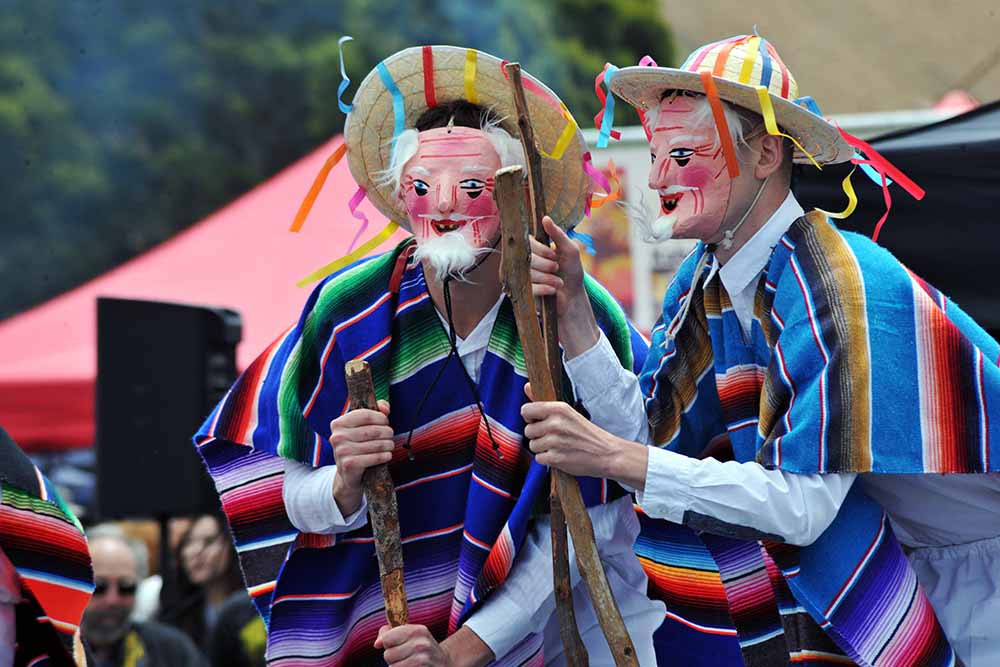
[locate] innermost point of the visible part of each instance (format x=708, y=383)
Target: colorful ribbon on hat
x=719, y=114
x=884, y=169
x=605, y=118
x=569, y=131
x=306, y=206
x=586, y=239
x=344, y=81
x=852, y=199
x=352, y=205
x=398, y=107
x=611, y=186
x=767, y=111
x=471, y=59
x=645, y=61
x=351, y=258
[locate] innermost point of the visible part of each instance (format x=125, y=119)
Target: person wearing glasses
x=120, y=563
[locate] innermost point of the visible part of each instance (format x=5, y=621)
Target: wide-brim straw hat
x=739, y=67
x=403, y=86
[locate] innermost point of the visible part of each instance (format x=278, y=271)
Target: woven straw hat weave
x=739, y=65
x=394, y=95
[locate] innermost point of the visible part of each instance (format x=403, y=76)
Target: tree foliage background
x=124, y=121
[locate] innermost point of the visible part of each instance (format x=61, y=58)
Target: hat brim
x=642, y=87
x=370, y=125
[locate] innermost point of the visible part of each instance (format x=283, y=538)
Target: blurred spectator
x=147, y=598
x=239, y=637
x=116, y=641
x=205, y=576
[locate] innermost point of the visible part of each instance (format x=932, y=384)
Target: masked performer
x=429, y=128
x=839, y=383
x=45, y=574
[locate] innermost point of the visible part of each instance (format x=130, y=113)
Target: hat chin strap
x=727, y=236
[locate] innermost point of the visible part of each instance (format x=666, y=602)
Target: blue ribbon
x=398, y=109
x=809, y=104
x=345, y=108
x=609, y=109
x=871, y=172
x=586, y=239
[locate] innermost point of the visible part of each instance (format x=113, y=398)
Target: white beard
x=451, y=254
x=660, y=229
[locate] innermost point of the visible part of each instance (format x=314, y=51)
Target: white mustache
x=451, y=217
x=677, y=189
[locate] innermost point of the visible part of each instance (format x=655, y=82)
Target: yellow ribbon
x=852, y=199
x=751, y=47
x=349, y=259
x=565, y=138
x=767, y=111
x=470, y=76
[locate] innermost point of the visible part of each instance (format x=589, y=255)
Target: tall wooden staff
x=522, y=206
x=380, y=493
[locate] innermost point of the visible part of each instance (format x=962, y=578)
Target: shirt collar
x=747, y=263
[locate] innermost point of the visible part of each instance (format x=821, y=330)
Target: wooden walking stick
x=380, y=493
x=522, y=207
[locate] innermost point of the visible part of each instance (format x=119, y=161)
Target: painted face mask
x=447, y=189
x=688, y=172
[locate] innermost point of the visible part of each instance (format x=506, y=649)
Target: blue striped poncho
x=464, y=509
x=854, y=364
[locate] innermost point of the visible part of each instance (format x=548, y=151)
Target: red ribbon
x=602, y=96
x=428, y=53
x=884, y=168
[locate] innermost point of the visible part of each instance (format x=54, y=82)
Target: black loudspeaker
x=161, y=368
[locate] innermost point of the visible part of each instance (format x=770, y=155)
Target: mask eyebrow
x=685, y=138
x=417, y=169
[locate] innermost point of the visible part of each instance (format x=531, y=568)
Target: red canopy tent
x=241, y=257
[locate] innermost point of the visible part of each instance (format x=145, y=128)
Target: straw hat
x=739, y=66
x=400, y=88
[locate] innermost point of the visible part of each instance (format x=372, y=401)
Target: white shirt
x=950, y=522
x=742, y=272
x=527, y=595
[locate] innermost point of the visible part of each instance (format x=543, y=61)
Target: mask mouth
x=668, y=203
x=444, y=226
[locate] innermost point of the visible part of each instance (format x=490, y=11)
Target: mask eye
x=652, y=158
x=472, y=187
x=681, y=155
x=420, y=187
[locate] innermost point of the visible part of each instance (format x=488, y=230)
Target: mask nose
x=658, y=173
x=446, y=197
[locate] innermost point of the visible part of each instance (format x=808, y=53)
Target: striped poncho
x=853, y=364
x=464, y=505
x=45, y=543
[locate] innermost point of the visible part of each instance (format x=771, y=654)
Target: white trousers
x=963, y=585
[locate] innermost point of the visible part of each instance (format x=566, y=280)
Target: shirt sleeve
x=523, y=603
x=308, y=496
x=741, y=500
x=609, y=392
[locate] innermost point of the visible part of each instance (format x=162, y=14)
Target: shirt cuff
x=492, y=624
x=666, y=494
x=589, y=372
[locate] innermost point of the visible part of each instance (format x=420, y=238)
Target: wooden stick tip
x=355, y=366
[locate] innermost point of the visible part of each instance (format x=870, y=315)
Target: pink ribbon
x=352, y=206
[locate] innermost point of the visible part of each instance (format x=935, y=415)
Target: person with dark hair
x=810, y=440
x=115, y=640
x=429, y=129
x=45, y=570
x=205, y=573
